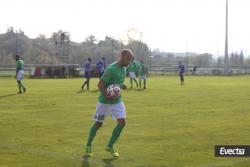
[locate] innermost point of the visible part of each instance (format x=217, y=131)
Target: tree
x=91, y=39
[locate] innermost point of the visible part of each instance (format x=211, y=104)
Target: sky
x=169, y=25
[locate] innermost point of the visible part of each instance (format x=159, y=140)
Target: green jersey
x=132, y=66
x=114, y=74
x=141, y=69
x=19, y=64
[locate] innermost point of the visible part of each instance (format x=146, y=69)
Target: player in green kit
x=20, y=74
x=132, y=68
x=142, y=74
x=110, y=105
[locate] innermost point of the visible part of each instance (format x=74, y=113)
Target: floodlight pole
x=226, y=43
x=16, y=44
x=150, y=64
x=112, y=46
x=141, y=50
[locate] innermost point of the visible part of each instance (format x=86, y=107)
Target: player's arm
x=16, y=70
x=103, y=88
x=123, y=86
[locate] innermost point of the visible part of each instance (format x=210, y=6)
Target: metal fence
x=195, y=70
x=10, y=70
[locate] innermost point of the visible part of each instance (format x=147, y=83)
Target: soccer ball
x=113, y=90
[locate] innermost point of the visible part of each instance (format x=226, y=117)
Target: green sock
x=92, y=134
x=115, y=135
x=19, y=86
x=136, y=82
x=22, y=85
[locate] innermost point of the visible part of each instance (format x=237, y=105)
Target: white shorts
x=115, y=110
x=19, y=75
x=132, y=75
x=142, y=77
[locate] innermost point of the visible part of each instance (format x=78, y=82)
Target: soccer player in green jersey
x=142, y=74
x=132, y=68
x=20, y=74
x=108, y=105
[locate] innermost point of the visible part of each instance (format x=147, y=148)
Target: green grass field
x=168, y=125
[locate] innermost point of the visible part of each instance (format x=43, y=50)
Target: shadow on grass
x=90, y=91
x=94, y=91
x=129, y=89
x=80, y=91
x=139, y=89
x=108, y=162
x=8, y=95
x=86, y=161
x=136, y=89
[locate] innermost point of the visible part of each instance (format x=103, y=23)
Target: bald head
x=126, y=57
x=17, y=57
x=126, y=52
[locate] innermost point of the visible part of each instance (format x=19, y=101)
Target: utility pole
x=112, y=46
x=150, y=64
x=141, y=49
x=186, y=57
x=16, y=44
x=226, y=43
x=62, y=45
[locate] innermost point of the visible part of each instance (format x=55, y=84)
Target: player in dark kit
x=181, y=69
x=87, y=70
x=101, y=66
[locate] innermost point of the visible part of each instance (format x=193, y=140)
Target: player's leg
x=116, y=132
x=99, y=117
x=182, y=78
x=18, y=79
x=144, y=83
x=88, y=83
x=83, y=85
x=19, y=86
x=140, y=83
x=134, y=78
x=24, y=89
x=94, y=128
x=131, y=82
x=115, y=135
x=136, y=82
x=92, y=133
x=118, y=113
x=86, y=76
x=131, y=79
